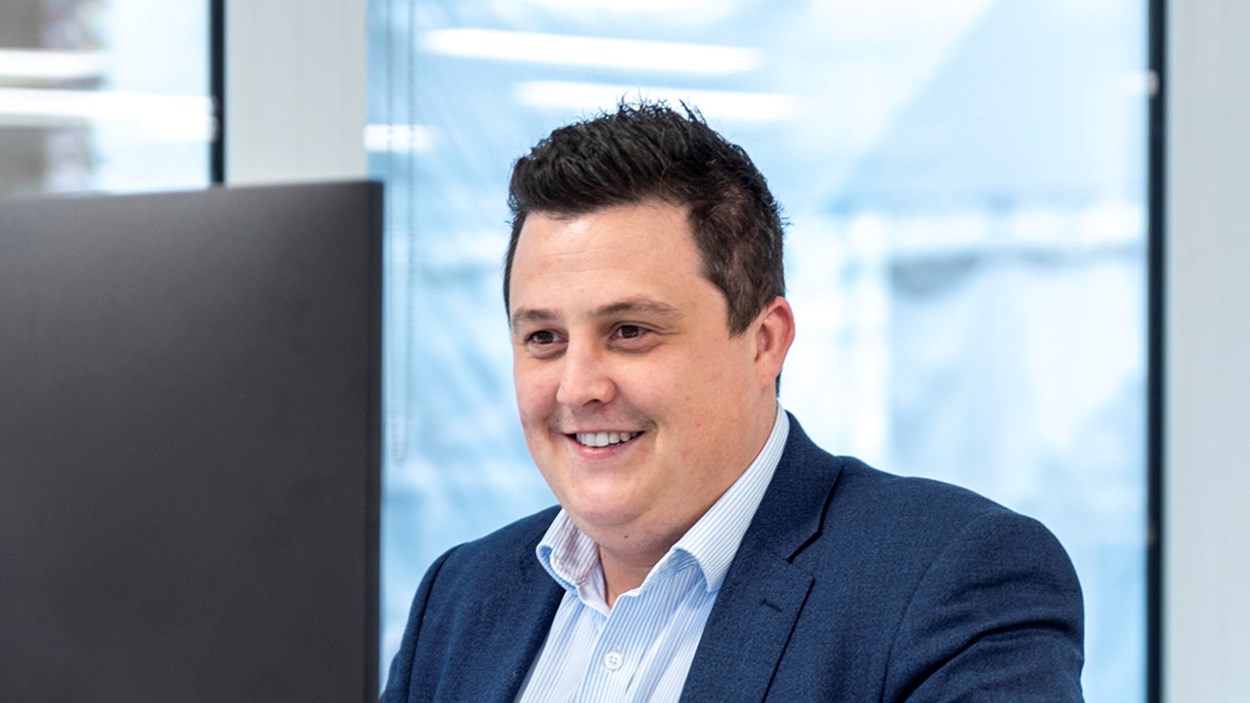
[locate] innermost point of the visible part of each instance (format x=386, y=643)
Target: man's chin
x=597, y=513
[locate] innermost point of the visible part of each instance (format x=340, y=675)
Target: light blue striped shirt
x=641, y=649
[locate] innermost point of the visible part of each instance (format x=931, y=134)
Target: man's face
x=638, y=407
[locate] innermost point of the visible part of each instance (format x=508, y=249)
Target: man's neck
x=621, y=576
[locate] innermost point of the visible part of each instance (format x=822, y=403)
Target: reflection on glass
x=964, y=182
x=103, y=96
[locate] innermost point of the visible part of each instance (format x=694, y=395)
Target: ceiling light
x=591, y=52
x=168, y=117
x=37, y=66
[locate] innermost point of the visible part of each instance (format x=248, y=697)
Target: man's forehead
x=613, y=261
x=652, y=230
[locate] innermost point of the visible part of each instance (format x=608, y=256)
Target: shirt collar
x=571, y=557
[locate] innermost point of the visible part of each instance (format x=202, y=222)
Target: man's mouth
x=603, y=439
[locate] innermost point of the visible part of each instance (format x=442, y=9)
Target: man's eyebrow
x=632, y=306
x=524, y=315
x=643, y=306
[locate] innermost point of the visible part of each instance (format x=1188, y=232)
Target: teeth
x=603, y=439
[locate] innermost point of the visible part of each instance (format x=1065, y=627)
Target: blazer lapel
x=743, y=642
x=764, y=590
x=510, y=628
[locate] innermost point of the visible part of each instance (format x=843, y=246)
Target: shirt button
x=613, y=660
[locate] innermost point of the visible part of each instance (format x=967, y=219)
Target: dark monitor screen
x=189, y=445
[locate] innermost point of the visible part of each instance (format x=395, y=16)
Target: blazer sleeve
x=399, y=679
x=997, y=616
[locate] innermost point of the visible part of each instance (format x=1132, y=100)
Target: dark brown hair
x=648, y=150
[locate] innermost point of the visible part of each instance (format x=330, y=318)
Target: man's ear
x=774, y=333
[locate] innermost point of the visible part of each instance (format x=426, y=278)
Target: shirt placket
x=618, y=652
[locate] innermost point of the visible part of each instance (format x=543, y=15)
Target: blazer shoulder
x=927, y=520
x=968, y=598
x=924, y=503
x=477, y=618
x=853, y=496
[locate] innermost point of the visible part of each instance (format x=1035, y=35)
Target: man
x=704, y=549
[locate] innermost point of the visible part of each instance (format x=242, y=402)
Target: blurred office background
x=966, y=183
x=966, y=187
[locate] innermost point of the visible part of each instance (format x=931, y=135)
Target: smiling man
x=704, y=549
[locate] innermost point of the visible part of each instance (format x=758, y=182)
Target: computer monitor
x=189, y=445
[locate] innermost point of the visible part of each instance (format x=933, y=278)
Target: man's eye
x=544, y=344
x=630, y=331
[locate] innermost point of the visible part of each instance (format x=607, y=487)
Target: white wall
x=1207, y=480
x=295, y=90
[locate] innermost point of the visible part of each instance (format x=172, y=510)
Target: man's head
x=645, y=347
x=650, y=151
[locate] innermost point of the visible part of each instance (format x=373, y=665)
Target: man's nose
x=585, y=377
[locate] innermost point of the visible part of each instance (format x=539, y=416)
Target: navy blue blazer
x=850, y=585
